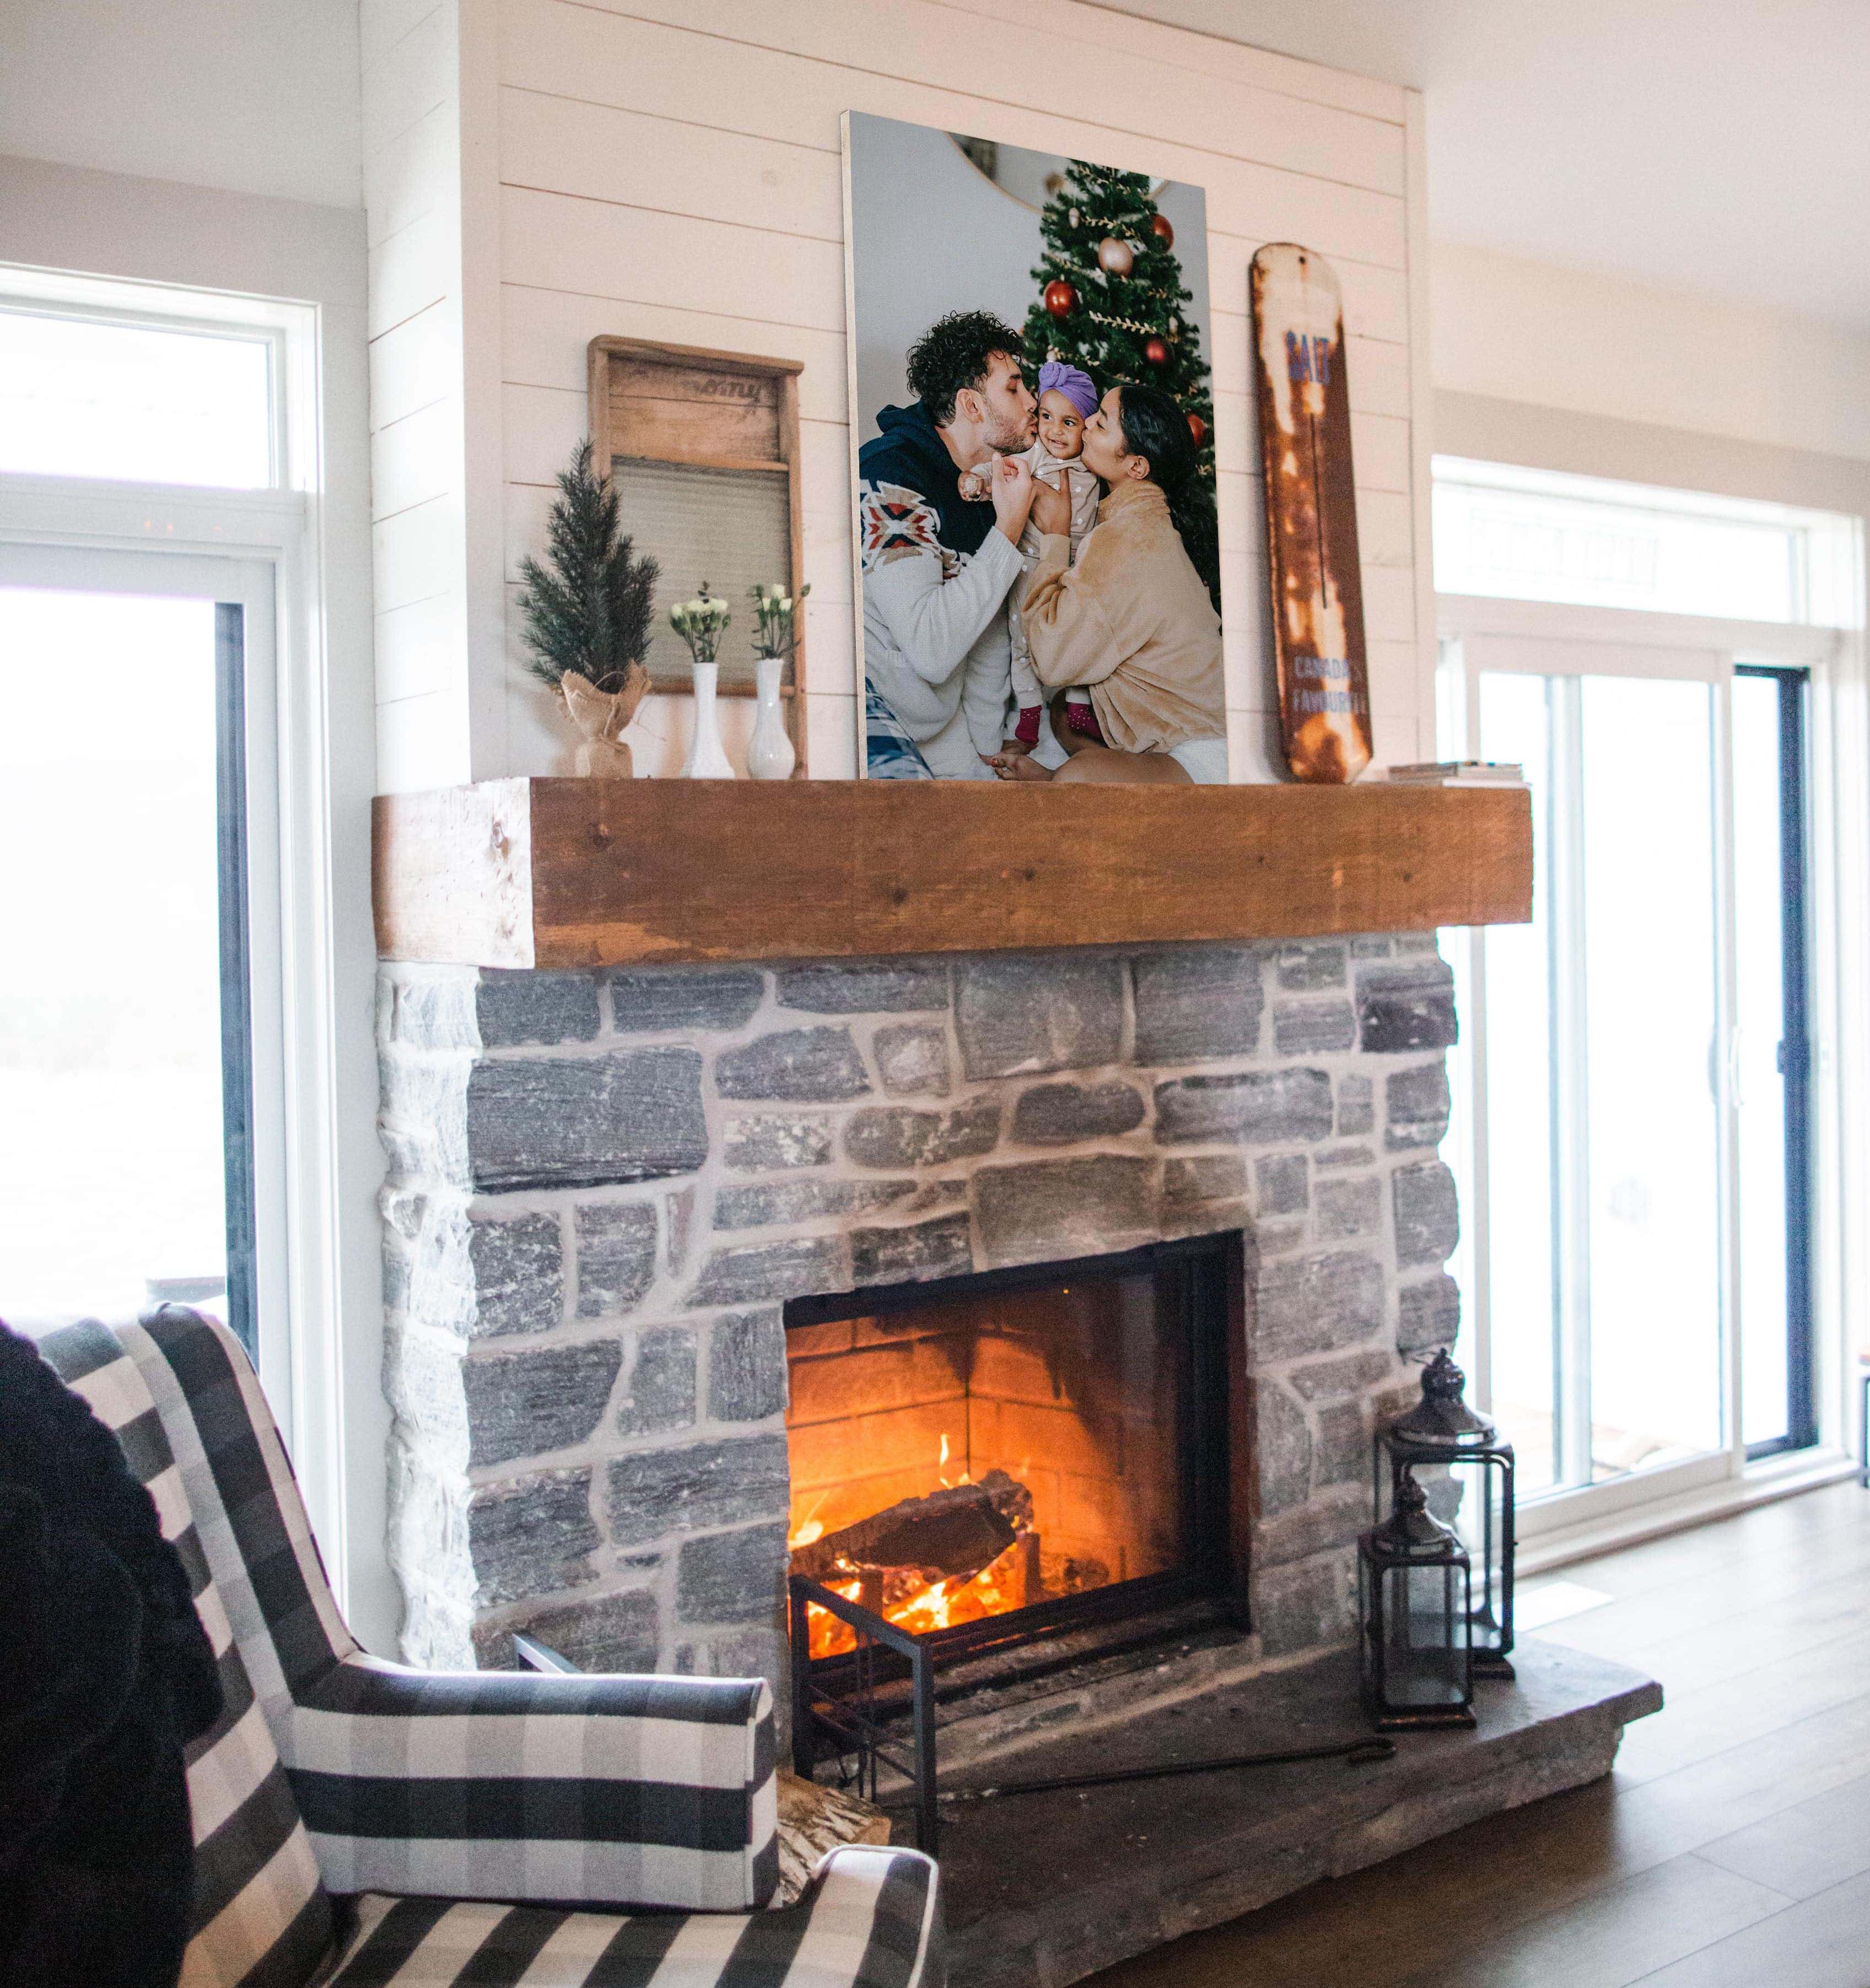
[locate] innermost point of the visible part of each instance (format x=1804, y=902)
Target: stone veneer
x=603, y=1184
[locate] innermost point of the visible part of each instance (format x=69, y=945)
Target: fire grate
x=853, y=1724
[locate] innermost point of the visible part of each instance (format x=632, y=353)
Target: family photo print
x=1038, y=592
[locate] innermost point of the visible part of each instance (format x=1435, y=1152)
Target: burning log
x=953, y=1532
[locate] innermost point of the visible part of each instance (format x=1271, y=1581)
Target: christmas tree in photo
x=1111, y=299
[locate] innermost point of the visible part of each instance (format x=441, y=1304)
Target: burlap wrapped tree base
x=601, y=716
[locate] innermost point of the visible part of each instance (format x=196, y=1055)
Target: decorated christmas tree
x=1111, y=298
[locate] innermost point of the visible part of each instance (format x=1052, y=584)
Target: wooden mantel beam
x=565, y=872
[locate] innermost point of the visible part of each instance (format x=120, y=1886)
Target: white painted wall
x=673, y=171
x=1600, y=345
x=248, y=95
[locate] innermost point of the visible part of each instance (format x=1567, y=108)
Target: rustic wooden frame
x=611, y=361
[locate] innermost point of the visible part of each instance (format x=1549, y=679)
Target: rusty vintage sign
x=1311, y=514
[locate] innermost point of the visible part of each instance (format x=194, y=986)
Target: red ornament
x=1160, y=227
x=1060, y=299
x=1156, y=351
x=1198, y=428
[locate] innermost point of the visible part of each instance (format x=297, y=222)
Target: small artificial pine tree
x=589, y=611
x=1103, y=320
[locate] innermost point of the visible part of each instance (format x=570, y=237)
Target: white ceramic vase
x=707, y=758
x=770, y=755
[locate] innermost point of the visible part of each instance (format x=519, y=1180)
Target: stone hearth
x=603, y=1185
x=1130, y=1865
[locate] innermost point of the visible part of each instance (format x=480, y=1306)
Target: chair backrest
x=251, y=1520
x=426, y=1808
x=261, y=1911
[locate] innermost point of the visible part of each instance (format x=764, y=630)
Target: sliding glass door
x=1635, y=1066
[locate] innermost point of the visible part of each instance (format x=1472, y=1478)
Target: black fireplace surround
x=1100, y=1396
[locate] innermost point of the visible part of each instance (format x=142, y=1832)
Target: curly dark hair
x=955, y=353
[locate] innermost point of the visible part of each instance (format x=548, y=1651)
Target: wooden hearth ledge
x=562, y=873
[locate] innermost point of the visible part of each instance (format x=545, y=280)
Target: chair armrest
x=654, y=1791
x=882, y=1904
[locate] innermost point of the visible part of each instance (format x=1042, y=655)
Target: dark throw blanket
x=105, y=1673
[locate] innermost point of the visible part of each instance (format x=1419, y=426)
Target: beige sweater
x=1132, y=623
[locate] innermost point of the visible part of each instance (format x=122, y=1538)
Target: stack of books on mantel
x=1460, y=773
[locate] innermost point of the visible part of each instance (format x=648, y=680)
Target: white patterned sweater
x=935, y=628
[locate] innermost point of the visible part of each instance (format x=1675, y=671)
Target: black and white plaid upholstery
x=440, y=1788
x=873, y=1922
x=262, y=1916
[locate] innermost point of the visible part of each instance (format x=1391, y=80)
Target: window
x=1636, y=1120
x=1515, y=534
x=266, y=470
x=126, y=1029
x=137, y=403
x=150, y=691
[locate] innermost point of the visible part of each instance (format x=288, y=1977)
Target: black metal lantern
x=1415, y=1603
x=1467, y=1472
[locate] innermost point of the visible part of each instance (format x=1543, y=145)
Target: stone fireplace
x=610, y=1190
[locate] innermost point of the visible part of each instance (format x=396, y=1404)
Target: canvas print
x=1039, y=594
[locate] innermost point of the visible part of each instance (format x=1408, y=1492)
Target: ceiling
x=1715, y=146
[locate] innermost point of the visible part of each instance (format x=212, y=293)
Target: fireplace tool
x=1354, y=1753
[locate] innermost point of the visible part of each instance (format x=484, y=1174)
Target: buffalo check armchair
x=360, y=1823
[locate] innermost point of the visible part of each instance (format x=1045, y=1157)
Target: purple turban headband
x=1056, y=377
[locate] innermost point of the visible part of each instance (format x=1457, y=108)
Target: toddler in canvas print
x=1067, y=400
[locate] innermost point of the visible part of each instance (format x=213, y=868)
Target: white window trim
x=1479, y=632
x=278, y=530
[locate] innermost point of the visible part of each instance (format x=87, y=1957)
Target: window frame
x=279, y=532
x=1792, y=685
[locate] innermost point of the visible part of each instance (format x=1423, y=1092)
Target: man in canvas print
x=937, y=567
x=1037, y=562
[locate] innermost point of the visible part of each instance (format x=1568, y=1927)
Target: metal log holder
x=851, y=1724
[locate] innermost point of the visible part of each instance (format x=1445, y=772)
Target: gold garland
x=1072, y=273
x=1131, y=324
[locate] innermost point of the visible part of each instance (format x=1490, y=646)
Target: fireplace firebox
x=986, y=1461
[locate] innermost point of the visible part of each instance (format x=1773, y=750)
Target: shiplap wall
x=670, y=169
x=415, y=191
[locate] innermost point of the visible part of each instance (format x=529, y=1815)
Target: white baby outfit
x=1085, y=492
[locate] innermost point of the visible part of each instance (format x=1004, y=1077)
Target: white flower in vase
x=701, y=623
x=769, y=752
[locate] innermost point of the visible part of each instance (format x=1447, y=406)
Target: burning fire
x=998, y=1587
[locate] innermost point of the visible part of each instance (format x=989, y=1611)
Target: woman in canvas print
x=1127, y=638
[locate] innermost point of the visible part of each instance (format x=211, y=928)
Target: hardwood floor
x=1731, y=1847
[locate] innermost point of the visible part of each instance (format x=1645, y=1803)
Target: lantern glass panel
x=1425, y=1636
x=1471, y=1492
